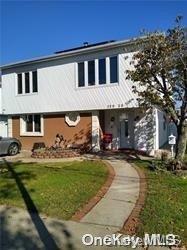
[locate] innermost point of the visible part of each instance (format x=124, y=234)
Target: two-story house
x=81, y=93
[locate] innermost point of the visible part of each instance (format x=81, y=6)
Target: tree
x=160, y=76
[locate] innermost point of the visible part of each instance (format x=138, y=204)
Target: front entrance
x=124, y=134
x=120, y=124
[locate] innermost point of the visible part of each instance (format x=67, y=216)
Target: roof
x=87, y=45
x=72, y=52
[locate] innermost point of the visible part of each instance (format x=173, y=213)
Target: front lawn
x=56, y=189
x=165, y=209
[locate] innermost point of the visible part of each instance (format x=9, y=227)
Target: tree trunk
x=181, y=141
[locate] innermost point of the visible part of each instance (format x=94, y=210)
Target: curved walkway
x=108, y=216
x=117, y=204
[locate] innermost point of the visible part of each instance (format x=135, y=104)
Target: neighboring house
x=81, y=93
x=3, y=118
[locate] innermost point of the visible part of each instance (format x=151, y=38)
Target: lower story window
x=32, y=125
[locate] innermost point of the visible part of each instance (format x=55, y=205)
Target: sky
x=31, y=29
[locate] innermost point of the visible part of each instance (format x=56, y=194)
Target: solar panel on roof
x=86, y=45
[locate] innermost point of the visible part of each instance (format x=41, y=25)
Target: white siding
x=145, y=131
x=57, y=89
x=3, y=119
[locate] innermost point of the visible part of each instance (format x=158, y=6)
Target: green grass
x=165, y=209
x=57, y=189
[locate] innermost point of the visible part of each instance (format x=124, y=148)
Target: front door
x=124, y=133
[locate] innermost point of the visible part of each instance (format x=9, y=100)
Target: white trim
x=96, y=72
x=95, y=131
x=23, y=84
x=107, y=71
x=31, y=82
x=16, y=85
x=85, y=75
x=76, y=75
x=22, y=127
x=9, y=126
x=98, y=86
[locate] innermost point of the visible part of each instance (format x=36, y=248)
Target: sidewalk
x=21, y=229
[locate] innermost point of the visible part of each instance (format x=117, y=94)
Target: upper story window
x=27, y=83
x=34, y=82
x=97, y=72
x=91, y=73
x=102, y=71
x=81, y=81
x=20, y=86
x=113, y=69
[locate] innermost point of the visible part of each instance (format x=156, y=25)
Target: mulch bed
x=87, y=207
x=130, y=225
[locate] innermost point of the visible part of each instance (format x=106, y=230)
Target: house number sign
x=110, y=106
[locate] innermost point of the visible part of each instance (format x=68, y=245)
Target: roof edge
x=72, y=53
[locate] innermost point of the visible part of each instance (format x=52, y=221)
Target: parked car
x=10, y=146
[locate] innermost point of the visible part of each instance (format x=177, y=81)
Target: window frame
x=105, y=59
x=94, y=66
x=117, y=65
x=31, y=92
x=25, y=73
x=23, y=131
x=32, y=83
x=107, y=65
x=17, y=79
x=77, y=73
